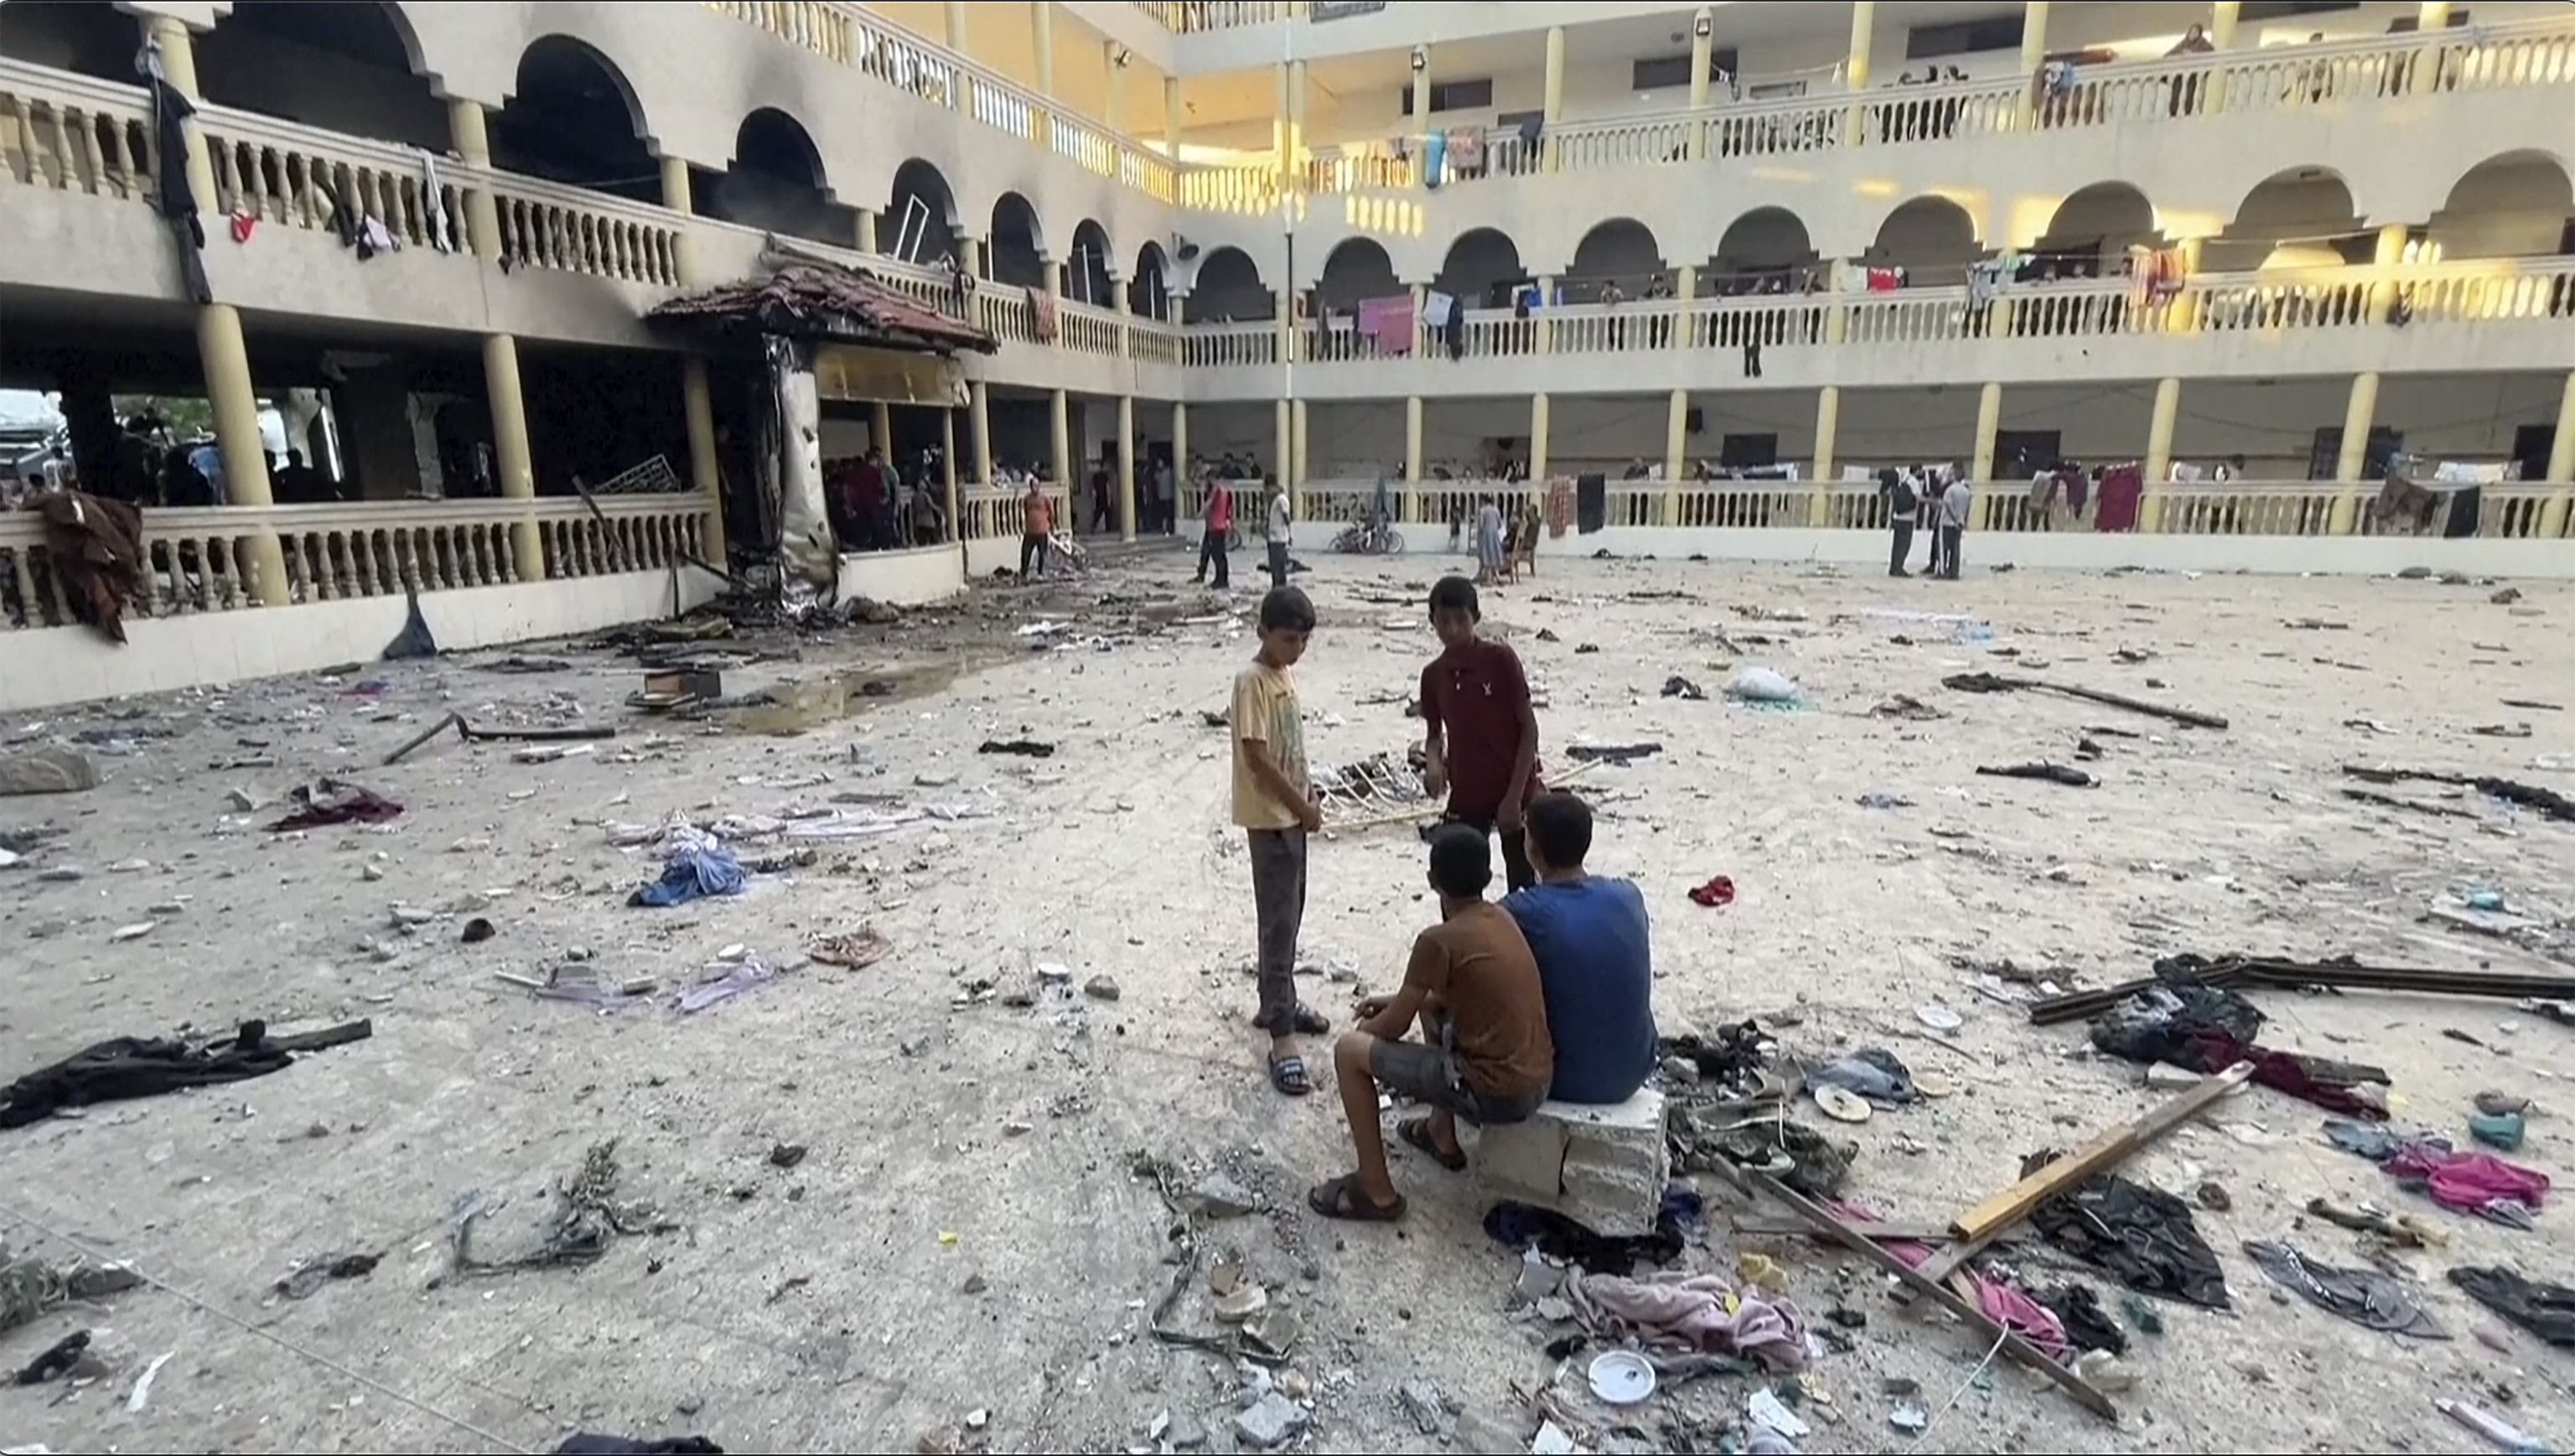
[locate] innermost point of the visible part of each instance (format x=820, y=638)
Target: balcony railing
x=1190, y=17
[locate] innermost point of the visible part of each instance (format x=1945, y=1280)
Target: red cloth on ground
x=2468, y=1181
x=2001, y=1304
x=2214, y=1051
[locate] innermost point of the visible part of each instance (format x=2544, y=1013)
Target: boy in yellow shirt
x=1275, y=804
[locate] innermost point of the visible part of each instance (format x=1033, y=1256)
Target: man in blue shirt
x=1594, y=961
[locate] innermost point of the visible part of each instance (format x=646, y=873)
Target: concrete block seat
x=1603, y=1166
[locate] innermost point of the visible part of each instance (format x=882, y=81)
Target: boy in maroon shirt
x=1481, y=727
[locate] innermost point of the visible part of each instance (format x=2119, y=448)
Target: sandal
x=1415, y=1133
x=1310, y=1022
x=1287, y=1074
x=1344, y=1199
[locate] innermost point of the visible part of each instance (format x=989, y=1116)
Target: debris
x=1682, y=688
x=57, y=1361
x=2366, y=1297
x=31, y=1287
x=2044, y=772
x=732, y=974
x=332, y=802
x=852, y=949
x=574, y=1226
x=309, y=1275
x=2048, y=1177
x=1020, y=748
x=1270, y=1423
x=1997, y=682
x=46, y=770
x=2547, y=803
x=1101, y=988
x=126, y=1067
x=2493, y=1427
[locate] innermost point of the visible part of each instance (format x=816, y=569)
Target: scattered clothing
x=2207, y=1029
x=97, y=546
x=331, y=802
x=1523, y=1225
x=57, y=1361
x=1621, y=755
x=2366, y=1297
x=2087, y=1325
x=1595, y=963
x=1701, y=1313
x=307, y=1278
x=2000, y=1302
x=1018, y=747
x=1387, y=323
x=2546, y=1310
x=1872, y=1072
x=2144, y=1236
x=172, y=195
x=2471, y=1182
x=698, y=868
x=590, y=1443
x=727, y=979
x=122, y=1069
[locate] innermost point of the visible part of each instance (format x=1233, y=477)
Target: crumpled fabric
x=2000, y=1302
x=1701, y=1312
x=2471, y=1182
x=1524, y=1225
x=2207, y=1029
x=2546, y=1310
x=2143, y=1236
x=2366, y=1297
x=1872, y=1072
x=699, y=866
x=593, y=1443
x=331, y=802
x=730, y=979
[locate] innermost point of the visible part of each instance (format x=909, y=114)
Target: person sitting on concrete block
x=1594, y=957
x=1484, y=1053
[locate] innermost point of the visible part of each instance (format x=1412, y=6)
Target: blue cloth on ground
x=1596, y=968
x=692, y=873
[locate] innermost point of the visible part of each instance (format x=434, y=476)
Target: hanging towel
x=2121, y=485
x=1042, y=314
x=1984, y=280
x=1435, y=308
x=1884, y=280
x=1467, y=150
x=172, y=196
x=1435, y=153
x=1453, y=335
x=433, y=202
x=1388, y=322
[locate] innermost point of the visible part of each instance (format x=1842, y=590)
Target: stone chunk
x=1271, y=1423
x=1603, y=1166
x=46, y=770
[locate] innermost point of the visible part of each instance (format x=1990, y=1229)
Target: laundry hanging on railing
x=1466, y=150
x=172, y=195
x=2121, y=488
x=1435, y=157
x=1042, y=314
x=1437, y=307
x=2156, y=276
x=433, y=195
x=1387, y=322
x=1882, y=280
x=1987, y=278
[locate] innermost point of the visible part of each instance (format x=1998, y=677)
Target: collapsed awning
x=822, y=303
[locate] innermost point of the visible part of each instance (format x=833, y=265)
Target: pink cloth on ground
x=2001, y=1304
x=2468, y=1181
x=1690, y=1310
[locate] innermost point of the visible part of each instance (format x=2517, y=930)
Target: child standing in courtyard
x=1480, y=726
x=1275, y=804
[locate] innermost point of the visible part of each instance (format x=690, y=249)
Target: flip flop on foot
x=1344, y=1199
x=1415, y=1133
x=1310, y=1022
x=1287, y=1074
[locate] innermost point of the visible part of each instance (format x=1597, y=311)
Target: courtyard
x=930, y=1202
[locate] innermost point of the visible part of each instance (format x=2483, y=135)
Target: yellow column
x=1685, y=289
x=2386, y=256
x=881, y=428
x=862, y=223
x=1544, y=316
x=1041, y=41
x=1420, y=107
x=2034, y=54
x=957, y=26
x=2158, y=466
x=2433, y=17
x=1125, y=466
x=225, y=357
x=1829, y=424
x=1278, y=119
x=948, y=471
x=2222, y=18
x=1060, y=454
x=1990, y=418
x=706, y=473
x=1676, y=453
x=178, y=51
x=978, y=431
x=1413, y=463
x=510, y=448
x=1297, y=89
x=1537, y=443
x=1554, y=99
x=1703, y=54
x=1837, y=296
x=1864, y=37
x=2561, y=468
x=1299, y=439
x=469, y=134
x=2357, y=417
x=1055, y=278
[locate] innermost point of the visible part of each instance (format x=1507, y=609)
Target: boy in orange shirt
x=1275, y=804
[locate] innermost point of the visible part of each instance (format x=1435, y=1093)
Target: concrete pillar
x=863, y=227
x=2222, y=18
x=881, y=427
x=979, y=430
x=468, y=132
x=957, y=26
x=1279, y=159
x=1537, y=442
x=1282, y=454
x=2359, y=415
x=2157, y=465
x=1180, y=446
x=510, y=452
x=1125, y=466
x=706, y=473
x=1863, y=36
x=177, y=48
x=1676, y=453
x=2433, y=17
x=1296, y=90
x=1041, y=41
x=1837, y=301
x=1685, y=289
x=1990, y=418
x=1554, y=98
x=948, y=471
x=2387, y=254
x=2561, y=468
x=1828, y=470
x=1055, y=278
x=225, y=355
x=1300, y=440
x=1420, y=110
x=1060, y=451
x=1543, y=318
x=2034, y=54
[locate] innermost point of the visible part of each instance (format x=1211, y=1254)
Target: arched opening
x=1767, y=249
x=777, y=183
x=1481, y=268
x=1228, y=290
x=80, y=36
x=1088, y=274
x=2517, y=204
x=1357, y=268
x=2301, y=218
x=1616, y=259
x=341, y=65
x=572, y=118
x=1018, y=248
x=1149, y=286
x=919, y=223
x=2092, y=230
x=1931, y=238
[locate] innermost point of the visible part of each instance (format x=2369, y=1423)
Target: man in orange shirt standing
x=1213, y=547
x=1036, y=524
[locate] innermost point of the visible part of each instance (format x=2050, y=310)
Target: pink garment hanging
x=1387, y=322
x=2121, y=485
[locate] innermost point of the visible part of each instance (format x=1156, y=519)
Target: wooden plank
x=1888, y=1229
x=2009, y=1340
x=2010, y=1206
